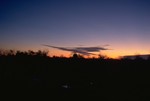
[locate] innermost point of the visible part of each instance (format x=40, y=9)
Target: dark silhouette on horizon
x=75, y=77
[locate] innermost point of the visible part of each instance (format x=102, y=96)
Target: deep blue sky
x=123, y=24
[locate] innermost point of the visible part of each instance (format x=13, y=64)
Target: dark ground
x=74, y=78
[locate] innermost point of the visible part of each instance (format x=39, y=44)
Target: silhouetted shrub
x=100, y=56
x=77, y=56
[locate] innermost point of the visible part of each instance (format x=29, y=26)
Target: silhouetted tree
x=100, y=56
x=20, y=53
x=42, y=53
x=30, y=52
x=75, y=56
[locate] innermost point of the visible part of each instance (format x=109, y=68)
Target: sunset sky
x=122, y=24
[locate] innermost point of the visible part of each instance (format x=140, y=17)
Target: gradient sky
x=123, y=24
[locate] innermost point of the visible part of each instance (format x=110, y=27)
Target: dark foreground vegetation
x=35, y=74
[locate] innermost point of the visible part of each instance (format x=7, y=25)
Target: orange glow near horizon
x=110, y=54
x=116, y=51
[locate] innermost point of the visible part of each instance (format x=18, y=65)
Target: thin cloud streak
x=80, y=50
